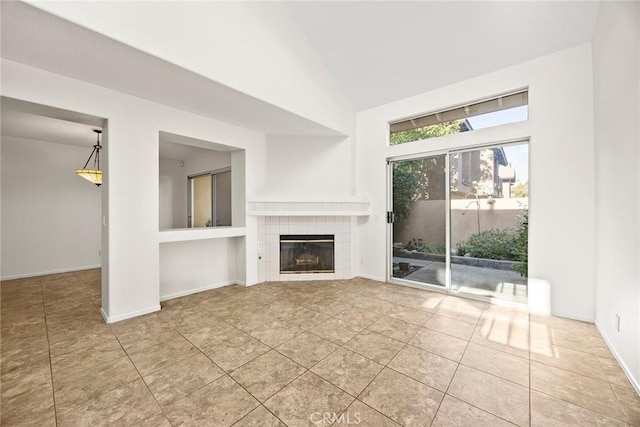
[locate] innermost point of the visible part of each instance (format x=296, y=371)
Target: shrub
x=420, y=246
x=522, y=247
x=490, y=244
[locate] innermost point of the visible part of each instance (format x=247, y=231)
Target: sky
x=517, y=155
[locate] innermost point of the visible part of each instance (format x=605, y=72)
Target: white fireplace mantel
x=308, y=208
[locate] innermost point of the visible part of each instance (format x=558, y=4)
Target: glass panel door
x=201, y=212
x=419, y=229
x=488, y=221
x=223, y=198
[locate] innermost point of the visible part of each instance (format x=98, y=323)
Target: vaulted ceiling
x=380, y=52
x=377, y=52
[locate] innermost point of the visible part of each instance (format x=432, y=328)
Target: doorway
x=459, y=221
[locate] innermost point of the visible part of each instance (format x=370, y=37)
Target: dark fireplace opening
x=307, y=253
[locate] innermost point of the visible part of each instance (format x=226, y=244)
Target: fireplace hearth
x=308, y=253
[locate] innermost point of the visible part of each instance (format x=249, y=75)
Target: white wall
x=194, y=266
x=308, y=168
x=257, y=48
x=561, y=233
x=131, y=151
x=616, y=76
x=50, y=216
x=173, y=195
x=173, y=184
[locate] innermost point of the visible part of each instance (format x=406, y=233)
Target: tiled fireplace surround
x=279, y=218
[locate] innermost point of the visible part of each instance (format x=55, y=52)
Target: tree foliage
x=404, y=187
x=520, y=190
x=428, y=172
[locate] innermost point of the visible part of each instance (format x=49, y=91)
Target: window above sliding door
x=500, y=110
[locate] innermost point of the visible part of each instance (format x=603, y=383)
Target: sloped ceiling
x=380, y=52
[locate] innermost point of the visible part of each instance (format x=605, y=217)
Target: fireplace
x=307, y=253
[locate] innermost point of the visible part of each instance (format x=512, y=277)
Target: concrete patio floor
x=485, y=282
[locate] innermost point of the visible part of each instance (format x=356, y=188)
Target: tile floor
x=353, y=352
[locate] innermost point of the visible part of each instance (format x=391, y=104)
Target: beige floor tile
x=359, y=316
x=87, y=358
x=499, y=397
x=451, y=327
x=307, y=349
x=613, y=372
x=503, y=336
x=184, y=317
x=306, y=401
x=248, y=321
x=428, y=368
x=74, y=388
x=31, y=407
x=282, y=307
x=181, y=378
x=26, y=383
x=304, y=318
x=567, y=359
x=575, y=388
x=347, y=370
x=17, y=347
x=543, y=335
x=267, y=374
x=410, y=315
x=549, y=411
x=235, y=352
x=336, y=331
x=328, y=306
x=394, y=328
x=72, y=357
x=576, y=326
x=221, y=403
x=129, y=405
x=212, y=334
x=440, y=344
x=498, y=363
x=456, y=413
x=630, y=403
x=15, y=368
x=360, y=414
x=275, y=333
x=259, y=417
x=162, y=356
x=374, y=346
x=138, y=336
x=404, y=400
x=460, y=312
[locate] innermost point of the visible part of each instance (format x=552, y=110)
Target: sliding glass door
x=419, y=227
x=460, y=221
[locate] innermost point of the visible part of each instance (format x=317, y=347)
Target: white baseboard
x=625, y=368
x=376, y=278
x=196, y=290
x=113, y=319
x=44, y=273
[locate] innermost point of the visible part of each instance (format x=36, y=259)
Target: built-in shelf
x=332, y=208
x=186, y=234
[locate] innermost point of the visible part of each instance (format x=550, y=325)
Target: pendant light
x=93, y=175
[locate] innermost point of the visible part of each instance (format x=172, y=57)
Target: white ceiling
x=40, y=128
x=378, y=52
x=39, y=39
x=178, y=147
x=388, y=50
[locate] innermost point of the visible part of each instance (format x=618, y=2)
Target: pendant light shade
x=93, y=175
